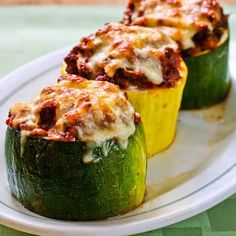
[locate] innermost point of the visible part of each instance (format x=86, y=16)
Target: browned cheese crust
x=129, y=56
x=196, y=25
x=76, y=109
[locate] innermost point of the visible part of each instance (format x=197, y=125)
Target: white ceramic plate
x=195, y=173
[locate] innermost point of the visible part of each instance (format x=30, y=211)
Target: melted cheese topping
x=182, y=36
x=181, y=19
x=76, y=109
x=135, y=49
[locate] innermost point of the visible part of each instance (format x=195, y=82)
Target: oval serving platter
x=195, y=173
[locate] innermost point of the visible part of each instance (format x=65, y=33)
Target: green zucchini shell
x=208, y=81
x=50, y=177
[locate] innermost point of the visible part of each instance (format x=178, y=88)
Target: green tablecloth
x=29, y=32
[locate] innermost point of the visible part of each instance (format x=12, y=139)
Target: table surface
x=10, y=2
x=29, y=32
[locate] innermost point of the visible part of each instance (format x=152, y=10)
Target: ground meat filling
x=47, y=114
x=79, y=59
x=129, y=12
x=207, y=40
x=169, y=63
x=71, y=60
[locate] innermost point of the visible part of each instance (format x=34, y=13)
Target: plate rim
x=99, y=227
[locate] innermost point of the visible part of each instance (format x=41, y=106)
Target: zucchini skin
x=51, y=179
x=208, y=82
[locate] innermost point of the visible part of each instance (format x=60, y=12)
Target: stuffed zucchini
x=201, y=30
x=76, y=152
x=146, y=64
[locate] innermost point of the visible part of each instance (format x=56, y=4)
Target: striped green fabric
x=29, y=32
